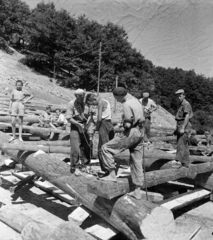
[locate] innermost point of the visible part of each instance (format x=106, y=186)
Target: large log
x=64, y=143
x=37, y=129
x=30, y=119
x=35, y=148
x=31, y=229
x=64, y=231
x=131, y=217
x=153, y=178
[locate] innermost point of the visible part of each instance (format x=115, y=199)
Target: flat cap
x=119, y=91
x=79, y=91
x=146, y=94
x=179, y=91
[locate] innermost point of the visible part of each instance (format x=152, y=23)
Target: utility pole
x=116, y=85
x=99, y=70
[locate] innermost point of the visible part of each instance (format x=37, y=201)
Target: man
x=77, y=115
x=104, y=124
x=149, y=106
x=132, y=139
x=183, y=128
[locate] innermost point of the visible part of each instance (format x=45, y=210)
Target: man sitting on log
x=133, y=119
x=183, y=128
x=104, y=124
x=149, y=106
x=59, y=122
x=18, y=98
x=77, y=115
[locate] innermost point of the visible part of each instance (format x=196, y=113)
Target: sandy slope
x=170, y=33
x=41, y=86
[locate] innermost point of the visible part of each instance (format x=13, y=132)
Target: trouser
x=106, y=133
x=80, y=146
x=147, y=126
x=182, y=154
x=132, y=140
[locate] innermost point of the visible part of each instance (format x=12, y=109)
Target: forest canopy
x=67, y=48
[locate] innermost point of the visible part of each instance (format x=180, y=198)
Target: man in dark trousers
x=133, y=119
x=77, y=115
x=183, y=128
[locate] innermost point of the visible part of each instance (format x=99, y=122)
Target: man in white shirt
x=149, y=106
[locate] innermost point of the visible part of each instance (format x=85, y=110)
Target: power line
x=148, y=22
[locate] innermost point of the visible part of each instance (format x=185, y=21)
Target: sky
x=170, y=33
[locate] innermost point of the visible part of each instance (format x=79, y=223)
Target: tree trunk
x=65, y=143
x=126, y=214
x=34, y=148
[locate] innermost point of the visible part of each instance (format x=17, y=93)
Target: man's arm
x=70, y=115
x=153, y=107
x=27, y=97
x=11, y=101
x=100, y=111
x=128, y=116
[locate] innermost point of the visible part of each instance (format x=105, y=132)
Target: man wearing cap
x=183, y=128
x=133, y=119
x=149, y=106
x=77, y=115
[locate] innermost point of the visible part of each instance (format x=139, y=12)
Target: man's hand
x=127, y=125
x=81, y=126
x=182, y=130
x=10, y=111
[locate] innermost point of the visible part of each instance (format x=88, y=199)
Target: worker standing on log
x=183, y=128
x=104, y=124
x=133, y=118
x=16, y=107
x=77, y=115
x=149, y=106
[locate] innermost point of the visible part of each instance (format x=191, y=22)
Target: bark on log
x=65, y=143
x=31, y=229
x=153, y=178
x=13, y=219
x=37, y=129
x=64, y=231
x=128, y=215
x=35, y=148
x=30, y=119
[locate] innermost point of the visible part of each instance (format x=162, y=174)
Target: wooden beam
x=131, y=217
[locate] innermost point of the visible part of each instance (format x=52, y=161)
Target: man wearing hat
x=149, y=106
x=133, y=119
x=183, y=128
x=77, y=115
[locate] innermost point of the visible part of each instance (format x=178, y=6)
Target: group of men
x=136, y=123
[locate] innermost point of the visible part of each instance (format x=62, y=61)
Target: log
x=64, y=231
x=153, y=178
x=131, y=217
x=185, y=199
x=64, y=143
x=163, y=139
x=35, y=129
x=29, y=119
x=31, y=229
x=35, y=148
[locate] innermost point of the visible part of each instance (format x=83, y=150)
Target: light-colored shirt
x=148, y=106
x=133, y=110
x=106, y=114
x=76, y=111
x=62, y=119
x=18, y=95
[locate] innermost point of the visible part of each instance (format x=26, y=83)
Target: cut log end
x=159, y=224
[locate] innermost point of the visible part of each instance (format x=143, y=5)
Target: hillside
x=170, y=33
x=42, y=87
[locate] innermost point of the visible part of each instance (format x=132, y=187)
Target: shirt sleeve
x=70, y=110
x=187, y=108
x=128, y=114
x=153, y=104
x=26, y=93
x=12, y=95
